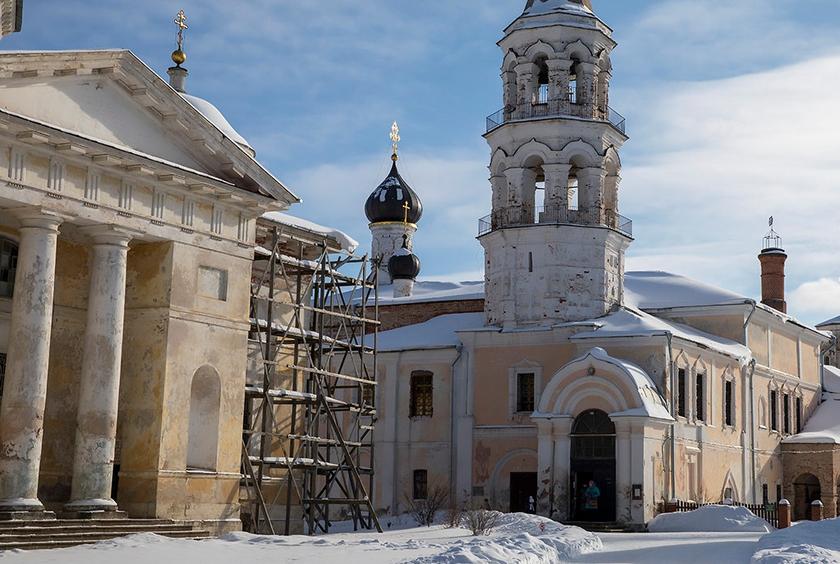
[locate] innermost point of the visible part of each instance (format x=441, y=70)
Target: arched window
x=574, y=75
x=205, y=403
x=541, y=94
x=8, y=267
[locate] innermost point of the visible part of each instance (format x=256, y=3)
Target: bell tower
x=554, y=243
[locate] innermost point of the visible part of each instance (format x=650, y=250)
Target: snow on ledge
x=348, y=244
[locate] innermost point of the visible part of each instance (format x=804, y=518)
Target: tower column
x=586, y=86
x=591, y=198
x=526, y=74
x=603, y=93
x=509, y=82
x=558, y=83
x=25, y=391
x=520, y=204
x=96, y=425
x=556, y=193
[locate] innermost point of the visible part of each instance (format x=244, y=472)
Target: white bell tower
x=555, y=243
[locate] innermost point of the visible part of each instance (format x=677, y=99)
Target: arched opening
x=203, y=435
x=593, y=468
x=574, y=78
x=8, y=266
x=806, y=489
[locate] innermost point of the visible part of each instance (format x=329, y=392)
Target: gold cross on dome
x=406, y=209
x=181, y=22
x=395, y=137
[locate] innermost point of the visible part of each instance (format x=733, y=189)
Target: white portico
x=128, y=216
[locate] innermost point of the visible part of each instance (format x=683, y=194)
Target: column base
x=40, y=515
x=101, y=515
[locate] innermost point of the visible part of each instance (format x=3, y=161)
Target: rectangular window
x=525, y=393
x=368, y=394
x=765, y=494
x=701, y=397
x=729, y=403
x=421, y=484
x=786, y=410
x=421, y=395
x=681, y=405
x=798, y=414
x=774, y=410
x=8, y=267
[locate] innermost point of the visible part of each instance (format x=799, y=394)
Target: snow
x=805, y=543
x=427, y=291
x=832, y=321
x=348, y=244
x=824, y=426
x=627, y=322
x=674, y=548
x=437, y=333
x=710, y=518
x=520, y=538
x=216, y=117
x=663, y=290
x=831, y=379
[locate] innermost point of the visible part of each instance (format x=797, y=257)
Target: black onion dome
x=387, y=203
x=404, y=265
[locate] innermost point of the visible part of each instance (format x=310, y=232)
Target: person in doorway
x=532, y=505
x=591, y=496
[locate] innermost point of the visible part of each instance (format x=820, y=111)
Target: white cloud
x=819, y=299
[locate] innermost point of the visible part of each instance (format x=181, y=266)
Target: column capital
x=526, y=68
x=39, y=217
x=557, y=167
x=558, y=64
x=587, y=67
x=112, y=235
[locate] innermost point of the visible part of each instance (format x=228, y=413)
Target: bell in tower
x=555, y=241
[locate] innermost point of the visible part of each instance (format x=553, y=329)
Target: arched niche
x=204, y=408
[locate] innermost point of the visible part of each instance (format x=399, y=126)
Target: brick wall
x=395, y=316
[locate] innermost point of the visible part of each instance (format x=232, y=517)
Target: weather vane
x=178, y=56
x=395, y=140
x=772, y=221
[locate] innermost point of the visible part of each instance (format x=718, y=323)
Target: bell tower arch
x=555, y=241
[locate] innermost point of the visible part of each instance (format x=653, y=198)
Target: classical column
x=562, y=467
x=526, y=74
x=624, y=466
x=559, y=71
x=545, y=466
x=591, y=197
x=586, y=87
x=27, y=365
x=96, y=423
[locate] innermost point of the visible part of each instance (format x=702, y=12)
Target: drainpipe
x=453, y=432
x=669, y=337
x=752, y=405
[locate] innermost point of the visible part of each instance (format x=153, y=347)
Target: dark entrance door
x=592, y=488
x=806, y=489
x=523, y=487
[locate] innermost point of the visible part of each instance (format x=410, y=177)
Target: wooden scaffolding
x=308, y=453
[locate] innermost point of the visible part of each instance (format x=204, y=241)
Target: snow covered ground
x=520, y=539
x=709, y=519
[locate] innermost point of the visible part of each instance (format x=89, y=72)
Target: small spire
x=772, y=240
x=395, y=141
x=179, y=57
x=178, y=74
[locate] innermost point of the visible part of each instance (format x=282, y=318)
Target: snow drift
x=710, y=519
x=805, y=543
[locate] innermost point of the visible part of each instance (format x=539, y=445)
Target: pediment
x=112, y=97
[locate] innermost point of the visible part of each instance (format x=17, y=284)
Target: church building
x=562, y=383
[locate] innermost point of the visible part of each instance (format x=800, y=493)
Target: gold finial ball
x=179, y=57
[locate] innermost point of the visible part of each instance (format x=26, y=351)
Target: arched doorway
x=592, y=468
x=806, y=489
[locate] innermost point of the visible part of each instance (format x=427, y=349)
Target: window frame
x=729, y=402
x=774, y=410
x=420, y=484
x=700, y=411
x=522, y=403
x=416, y=388
x=682, y=388
x=786, y=414
x=523, y=367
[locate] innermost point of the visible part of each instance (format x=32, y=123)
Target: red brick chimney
x=773, y=259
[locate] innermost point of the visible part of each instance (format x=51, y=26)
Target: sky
x=732, y=112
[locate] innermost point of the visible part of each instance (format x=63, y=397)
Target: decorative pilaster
x=96, y=426
x=27, y=365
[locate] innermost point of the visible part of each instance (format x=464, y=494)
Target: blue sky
x=731, y=109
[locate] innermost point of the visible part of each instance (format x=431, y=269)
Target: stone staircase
x=62, y=533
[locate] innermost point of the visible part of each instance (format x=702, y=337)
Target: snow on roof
x=348, y=244
x=216, y=117
x=437, y=333
x=832, y=321
x=662, y=290
x=831, y=379
x=431, y=291
x=824, y=426
x=628, y=322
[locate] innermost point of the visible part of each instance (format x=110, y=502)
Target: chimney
x=773, y=258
